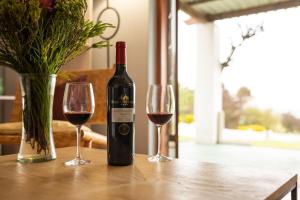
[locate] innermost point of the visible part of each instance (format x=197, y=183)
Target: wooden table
x=143, y=180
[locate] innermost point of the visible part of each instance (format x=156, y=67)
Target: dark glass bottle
x=120, y=112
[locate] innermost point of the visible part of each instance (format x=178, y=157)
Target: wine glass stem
x=158, y=140
x=78, y=128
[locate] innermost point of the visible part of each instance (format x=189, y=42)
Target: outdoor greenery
x=290, y=122
x=186, y=105
x=266, y=119
x=240, y=115
x=233, y=106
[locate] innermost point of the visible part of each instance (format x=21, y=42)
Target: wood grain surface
x=143, y=180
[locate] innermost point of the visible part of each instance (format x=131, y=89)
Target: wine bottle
x=120, y=112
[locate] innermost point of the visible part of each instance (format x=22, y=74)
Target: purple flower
x=47, y=4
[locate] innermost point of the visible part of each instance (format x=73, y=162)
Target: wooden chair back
x=99, y=79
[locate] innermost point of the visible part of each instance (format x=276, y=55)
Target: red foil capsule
x=121, y=53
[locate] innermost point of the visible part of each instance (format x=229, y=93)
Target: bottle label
x=122, y=115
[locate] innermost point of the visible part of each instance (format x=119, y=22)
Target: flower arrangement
x=37, y=37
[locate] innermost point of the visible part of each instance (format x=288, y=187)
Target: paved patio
x=242, y=155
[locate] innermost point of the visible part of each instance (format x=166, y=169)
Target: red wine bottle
x=120, y=112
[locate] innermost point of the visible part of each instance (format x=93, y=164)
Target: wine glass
x=78, y=107
x=160, y=106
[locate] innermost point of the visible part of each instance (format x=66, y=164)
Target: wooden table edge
x=289, y=186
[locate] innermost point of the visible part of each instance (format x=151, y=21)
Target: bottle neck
x=120, y=60
x=120, y=69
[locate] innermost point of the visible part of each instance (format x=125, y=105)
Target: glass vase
x=37, y=144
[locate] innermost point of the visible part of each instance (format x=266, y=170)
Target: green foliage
x=254, y=127
x=232, y=109
x=34, y=39
x=265, y=118
x=186, y=105
x=244, y=94
x=186, y=118
x=239, y=116
x=186, y=100
x=37, y=110
x=290, y=122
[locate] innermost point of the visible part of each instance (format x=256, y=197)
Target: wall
x=134, y=30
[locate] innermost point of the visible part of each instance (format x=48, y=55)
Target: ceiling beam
x=254, y=10
x=199, y=16
x=197, y=2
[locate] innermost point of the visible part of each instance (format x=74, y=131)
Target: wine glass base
x=159, y=158
x=77, y=162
